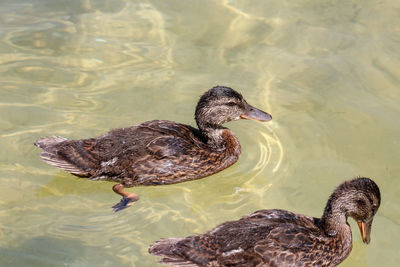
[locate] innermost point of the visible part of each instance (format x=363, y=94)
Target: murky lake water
x=327, y=71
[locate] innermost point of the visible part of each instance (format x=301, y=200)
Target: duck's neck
x=334, y=223
x=220, y=138
x=213, y=136
x=334, y=219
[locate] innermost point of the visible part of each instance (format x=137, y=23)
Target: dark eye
x=231, y=104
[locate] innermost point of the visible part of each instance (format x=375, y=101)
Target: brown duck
x=281, y=238
x=158, y=152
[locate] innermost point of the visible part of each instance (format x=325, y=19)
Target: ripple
x=43, y=38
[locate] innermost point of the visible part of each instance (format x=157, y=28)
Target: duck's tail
x=51, y=155
x=47, y=143
x=166, y=248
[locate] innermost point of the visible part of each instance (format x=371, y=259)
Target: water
x=328, y=72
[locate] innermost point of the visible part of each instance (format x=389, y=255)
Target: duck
x=157, y=152
x=274, y=237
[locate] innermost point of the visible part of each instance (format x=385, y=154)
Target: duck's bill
x=253, y=113
x=365, y=230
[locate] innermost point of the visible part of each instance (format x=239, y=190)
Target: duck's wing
x=290, y=245
x=269, y=238
x=294, y=241
x=170, y=146
x=118, y=151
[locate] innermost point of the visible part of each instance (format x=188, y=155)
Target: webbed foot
x=127, y=198
x=124, y=203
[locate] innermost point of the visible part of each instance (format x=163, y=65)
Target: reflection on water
x=327, y=72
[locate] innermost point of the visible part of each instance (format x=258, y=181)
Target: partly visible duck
x=158, y=152
x=281, y=238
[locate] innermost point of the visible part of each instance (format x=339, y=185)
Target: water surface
x=328, y=72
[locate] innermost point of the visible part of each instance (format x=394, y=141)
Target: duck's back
x=154, y=152
x=264, y=238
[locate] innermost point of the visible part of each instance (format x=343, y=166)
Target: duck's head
x=221, y=104
x=360, y=199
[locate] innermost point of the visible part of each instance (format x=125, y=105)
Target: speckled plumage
x=158, y=152
x=279, y=238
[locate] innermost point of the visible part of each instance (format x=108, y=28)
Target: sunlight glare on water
x=327, y=71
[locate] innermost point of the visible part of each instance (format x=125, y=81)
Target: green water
x=327, y=71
